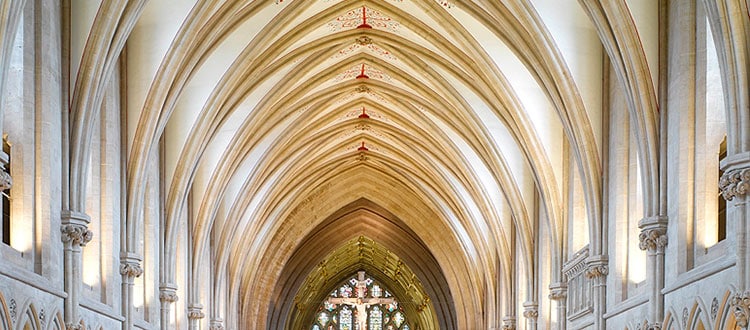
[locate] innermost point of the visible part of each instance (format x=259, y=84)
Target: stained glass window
x=376, y=319
x=350, y=303
x=345, y=317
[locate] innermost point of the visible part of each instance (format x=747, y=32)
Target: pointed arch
x=5, y=320
x=58, y=323
x=29, y=320
x=671, y=322
x=698, y=318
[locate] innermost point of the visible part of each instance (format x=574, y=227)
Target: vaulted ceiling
x=476, y=113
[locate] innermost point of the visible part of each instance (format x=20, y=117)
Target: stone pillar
x=653, y=238
x=509, y=323
x=216, y=324
x=531, y=313
x=559, y=294
x=130, y=268
x=75, y=234
x=167, y=296
x=597, y=271
x=195, y=314
x=735, y=185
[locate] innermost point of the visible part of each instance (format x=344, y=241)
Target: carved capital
x=216, y=324
x=509, y=323
x=168, y=296
x=652, y=240
x=131, y=268
x=363, y=40
x=651, y=326
x=6, y=181
x=597, y=270
x=740, y=306
x=73, y=326
x=735, y=183
x=195, y=312
x=76, y=234
x=558, y=291
x=531, y=310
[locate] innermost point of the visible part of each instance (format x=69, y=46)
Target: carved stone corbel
x=509, y=323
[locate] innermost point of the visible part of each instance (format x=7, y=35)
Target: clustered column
x=559, y=294
x=75, y=234
x=195, y=314
x=653, y=238
x=597, y=272
x=167, y=296
x=531, y=313
x=130, y=268
x=734, y=185
x=509, y=323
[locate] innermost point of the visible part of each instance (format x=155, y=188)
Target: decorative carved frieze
x=6, y=181
x=735, y=183
x=652, y=240
x=740, y=305
x=76, y=234
x=131, y=269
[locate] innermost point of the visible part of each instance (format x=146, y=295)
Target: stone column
x=559, y=294
x=653, y=238
x=195, y=314
x=167, y=296
x=75, y=234
x=597, y=271
x=531, y=313
x=130, y=268
x=216, y=324
x=509, y=323
x=735, y=185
